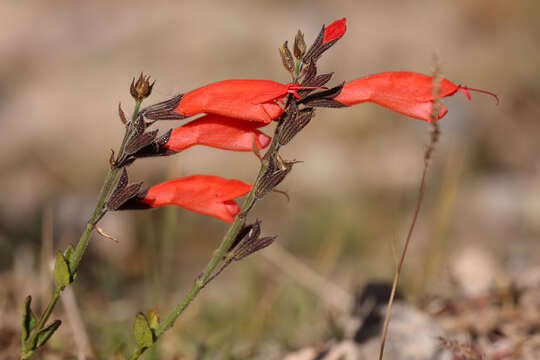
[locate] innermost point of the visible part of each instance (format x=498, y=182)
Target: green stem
x=199, y=284
x=85, y=237
x=234, y=229
x=49, y=309
x=103, y=195
x=136, y=354
x=106, y=189
x=216, y=259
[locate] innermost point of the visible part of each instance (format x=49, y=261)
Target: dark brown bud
x=274, y=174
x=249, y=241
x=123, y=192
x=299, y=45
x=286, y=57
x=141, y=88
x=293, y=124
x=164, y=110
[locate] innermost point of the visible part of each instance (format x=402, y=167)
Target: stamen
x=293, y=87
x=466, y=90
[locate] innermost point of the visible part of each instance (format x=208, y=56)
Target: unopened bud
x=123, y=192
x=249, y=241
x=286, y=57
x=299, y=45
x=274, y=174
x=141, y=88
x=293, y=124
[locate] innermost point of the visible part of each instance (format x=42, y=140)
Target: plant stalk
x=233, y=231
x=106, y=189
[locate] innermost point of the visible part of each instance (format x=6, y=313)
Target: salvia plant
x=233, y=112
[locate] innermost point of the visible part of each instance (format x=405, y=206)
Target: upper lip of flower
x=248, y=99
x=252, y=100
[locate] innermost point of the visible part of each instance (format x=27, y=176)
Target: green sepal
x=62, y=276
x=29, y=320
x=45, y=334
x=68, y=255
x=143, y=334
x=153, y=320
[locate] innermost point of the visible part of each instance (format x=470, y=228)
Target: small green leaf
x=68, y=255
x=143, y=333
x=44, y=335
x=61, y=271
x=153, y=319
x=29, y=319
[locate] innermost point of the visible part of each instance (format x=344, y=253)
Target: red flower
x=219, y=132
x=408, y=93
x=252, y=100
x=206, y=194
x=335, y=30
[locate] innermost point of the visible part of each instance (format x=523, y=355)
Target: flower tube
x=408, y=93
x=206, y=194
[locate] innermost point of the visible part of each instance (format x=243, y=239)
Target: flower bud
x=327, y=38
x=293, y=124
x=141, y=88
x=274, y=175
x=248, y=241
x=286, y=57
x=299, y=45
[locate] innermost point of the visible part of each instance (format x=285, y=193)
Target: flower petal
x=252, y=100
x=206, y=194
x=219, y=132
x=408, y=93
x=335, y=30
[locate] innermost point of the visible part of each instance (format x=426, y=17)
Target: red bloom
x=206, y=194
x=408, y=93
x=252, y=100
x=335, y=30
x=220, y=132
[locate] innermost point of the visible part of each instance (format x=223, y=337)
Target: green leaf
x=68, y=255
x=143, y=333
x=61, y=271
x=153, y=319
x=29, y=319
x=44, y=335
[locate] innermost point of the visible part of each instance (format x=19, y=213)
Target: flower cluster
x=234, y=111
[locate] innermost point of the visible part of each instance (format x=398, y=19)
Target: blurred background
x=64, y=66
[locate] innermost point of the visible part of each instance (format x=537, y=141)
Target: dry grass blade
x=102, y=232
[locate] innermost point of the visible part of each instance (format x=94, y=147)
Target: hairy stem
x=220, y=252
x=108, y=186
x=199, y=284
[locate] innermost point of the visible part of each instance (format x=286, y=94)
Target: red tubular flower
x=408, y=93
x=219, y=132
x=206, y=194
x=252, y=100
x=335, y=30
